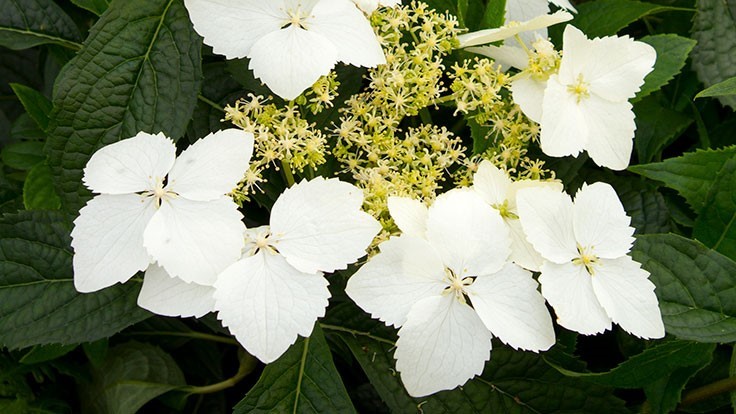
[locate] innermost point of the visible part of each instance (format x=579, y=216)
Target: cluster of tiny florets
x=282, y=139
x=321, y=95
x=383, y=158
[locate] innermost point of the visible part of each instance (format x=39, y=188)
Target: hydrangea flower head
x=152, y=206
x=290, y=43
x=277, y=290
x=447, y=284
x=588, y=277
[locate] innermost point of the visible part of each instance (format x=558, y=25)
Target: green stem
x=286, y=166
x=443, y=99
x=193, y=335
x=210, y=103
x=708, y=391
x=247, y=364
x=354, y=332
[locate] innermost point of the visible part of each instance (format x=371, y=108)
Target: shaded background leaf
x=28, y=23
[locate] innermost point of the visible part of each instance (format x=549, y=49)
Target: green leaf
x=38, y=302
x=133, y=374
x=696, y=287
x=714, y=28
x=43, y=353
x=37, y=105
x=140, y=70
x=656, y=128
x=95, y=6
x=691, y=175
x=645, y=205
x=22, y=155
x=672, y=53
x=655, y=362
x=96, y=351
x=303, y=380
x=664, y=394
x=38, y=189
x=607, y=17
x=29, y=23
x=727, y=87
x=512, y=382
x=715, y=226
x=481, y=135
x=494, y=14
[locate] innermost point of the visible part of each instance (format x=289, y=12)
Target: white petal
x=349, y=30
x=547, y=219
x=564, y=4
x=493, y=35
x=614, y=66
x=131, y=165
x=405, y=271
x=568, y=288
x=195, y=240
x=491, y=183
x=212, y=166
x=528, y=93
x=601, y=222
x=409, y=215
x=232, y=27
x=317, y=225
x=290, y=60
x=523, y=10
x=522, y=252
x=442, y=345
x=506, y=56
x=108, y=240
x=564, y=126
x=266, y=303
x=554, y=185
x=509, y=305
x=627, y=295
x=368, y=6
x=171, y=296
x=611, y=128
x=468, y=234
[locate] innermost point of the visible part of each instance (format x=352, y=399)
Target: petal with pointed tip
x=108, y=240
x=569, y=289
x=212, y=166
x=610, y=127
x=266, y=303
x=601, y=222
x=510, y=306
x=546, y=216
x=485, y=36
x=131, y=165
x=348, y=29
x=405, y=271
x=491, y=183
x=409, y=215
x=195, y=240
x=442, y=345
x=171, y=296
x=564, y=124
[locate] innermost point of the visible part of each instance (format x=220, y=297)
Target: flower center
x=587, y=258
x=457, y=284
x=296, y=18
x=159, y=192
x=580, y=88
x=262, y=240
x=503, y=209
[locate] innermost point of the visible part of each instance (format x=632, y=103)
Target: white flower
x=499, y=191
x=588, y=278
x=153, y=206
x=523, y=10
x=512, y=29
x=369, y=6
x=585, y=106
x=446, y=282
x=277, y=290
x=290, y=43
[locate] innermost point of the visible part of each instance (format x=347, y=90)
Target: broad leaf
x=716, y=223
x=714, y=28
x=691, y=175
x=133, y=374
x=37, y=105
x=696, y=287
x=22, y=155
x=28, y=23
x=95, y=6
x=303, y=380
x=727, y=87
x=140, y=70
x=664, y=394
x=494, y=14
x=672, y=52
x=38, y=189
x=607, y=17
x=656, y=128
x=655, y=362
x=38, y=302
x=43, y=353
